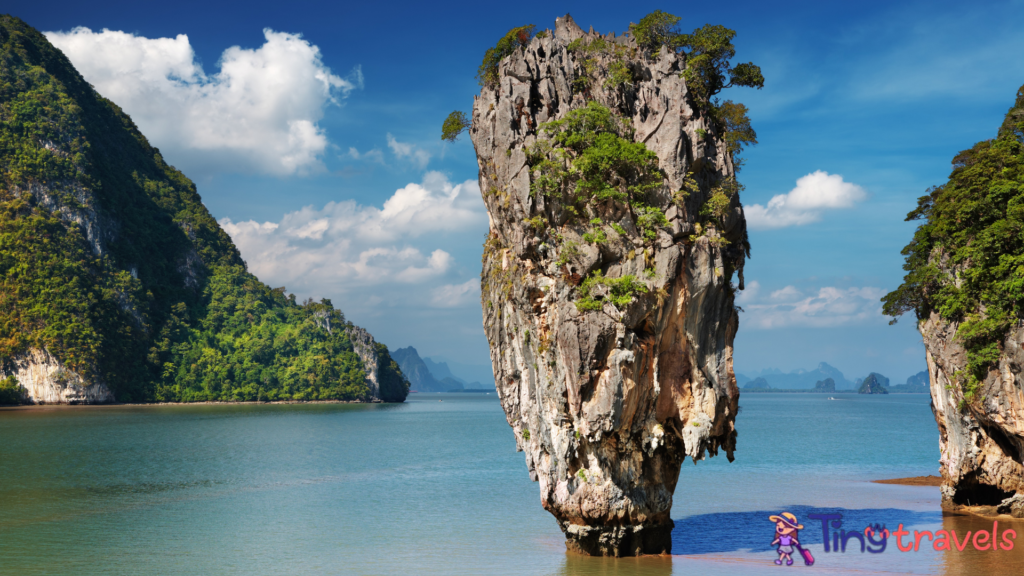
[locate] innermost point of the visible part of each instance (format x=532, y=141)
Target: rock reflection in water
x=972, y=562
x=580, y=565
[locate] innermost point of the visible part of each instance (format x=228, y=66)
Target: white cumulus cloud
x=829, y=306
x=814, y=193
x=259, y=113
x=346, y=247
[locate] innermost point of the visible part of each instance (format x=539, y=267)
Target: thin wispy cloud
x=822, y=307
x=258, y=114
x=410, y=152
x=373, y=155
x=814, y=194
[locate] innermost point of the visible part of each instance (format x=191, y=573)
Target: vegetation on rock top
x=513, y=39
x=966, y=260
x=587, y=161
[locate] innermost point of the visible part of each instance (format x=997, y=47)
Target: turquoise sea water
x=434, y=486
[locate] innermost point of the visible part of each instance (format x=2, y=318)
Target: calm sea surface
x=435, y=486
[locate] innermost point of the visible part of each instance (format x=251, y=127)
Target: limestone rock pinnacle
x=610, y=329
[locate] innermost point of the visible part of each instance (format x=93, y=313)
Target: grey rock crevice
x=365, y=347
x=606, y=404
x=981, y=443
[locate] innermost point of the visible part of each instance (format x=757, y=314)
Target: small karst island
x=608, y=166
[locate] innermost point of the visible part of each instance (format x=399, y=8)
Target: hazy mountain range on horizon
x=806, y=379
x=428, y=374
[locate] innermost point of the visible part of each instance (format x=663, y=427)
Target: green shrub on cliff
x=456, y=123
x=708, y=70
x=157, y=302
x=602, y=165
x=513, y=39
x=966, y=260
x=708, y=50
x=620, y=291
x=734, y=125
x=657, y=29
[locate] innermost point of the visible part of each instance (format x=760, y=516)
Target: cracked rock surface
x=981, y=443
x=606, y=403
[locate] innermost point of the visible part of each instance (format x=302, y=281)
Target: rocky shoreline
x=203, y=403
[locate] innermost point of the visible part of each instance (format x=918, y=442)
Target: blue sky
x=312, y=132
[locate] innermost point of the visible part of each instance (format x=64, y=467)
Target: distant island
x=428, y=375
x=826, y=385
x=831, y=381
x=873, y=385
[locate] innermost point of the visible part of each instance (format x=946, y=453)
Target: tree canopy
x=966, y=260
x=456, y=123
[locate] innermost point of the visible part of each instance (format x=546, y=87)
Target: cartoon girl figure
x=786, y=528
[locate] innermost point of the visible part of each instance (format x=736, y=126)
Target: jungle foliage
x=110, y=261
x=966, y=260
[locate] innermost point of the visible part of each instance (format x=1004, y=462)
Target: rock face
x=383, y=376
x=606, y=403
x=47, y=381
x=981, y=443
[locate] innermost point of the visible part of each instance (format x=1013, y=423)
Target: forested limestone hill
x=117, y=283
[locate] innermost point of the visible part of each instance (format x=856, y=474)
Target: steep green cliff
x=113, y=270
x=966, y=261
x=965, y=284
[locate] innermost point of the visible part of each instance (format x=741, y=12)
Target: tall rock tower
x=608, y=303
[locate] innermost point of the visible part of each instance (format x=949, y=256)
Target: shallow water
x=434, y=486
